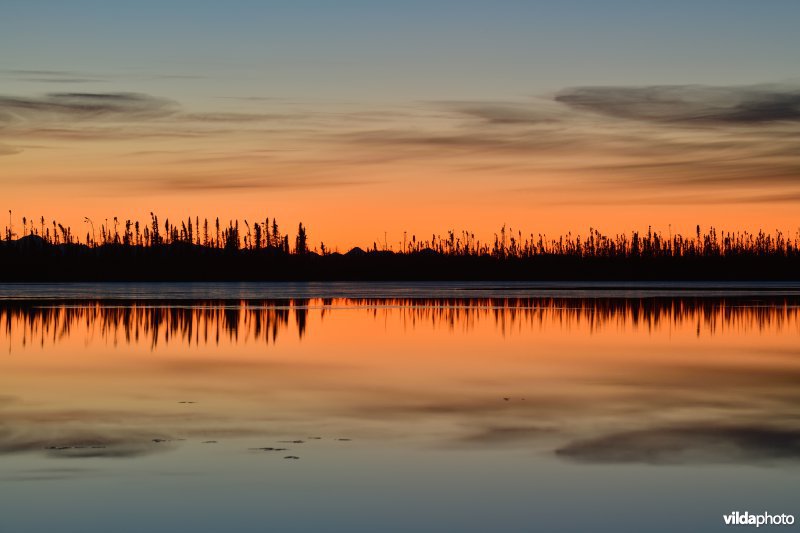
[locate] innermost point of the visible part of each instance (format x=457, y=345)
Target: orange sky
x=349, y=186
x=370, y=122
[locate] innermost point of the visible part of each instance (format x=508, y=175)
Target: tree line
x=192, y=249
x=259, y=234
x=506, y=243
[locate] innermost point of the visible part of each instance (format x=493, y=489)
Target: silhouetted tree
x=301, y=241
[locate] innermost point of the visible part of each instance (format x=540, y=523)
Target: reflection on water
x=206, y=322
x=416, y=396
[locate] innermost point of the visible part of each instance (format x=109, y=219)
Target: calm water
x=421, y=407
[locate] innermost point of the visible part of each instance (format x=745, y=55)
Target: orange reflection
x=582, y=377
x=210, y=321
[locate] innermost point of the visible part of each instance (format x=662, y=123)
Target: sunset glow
x=366, y=122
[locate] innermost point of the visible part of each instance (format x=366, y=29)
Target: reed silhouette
x=258, y=250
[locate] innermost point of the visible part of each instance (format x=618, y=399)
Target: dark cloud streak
x=689, y=104
x=196, y=183
x=85, y=106
x=62, y=80
x=8, y=150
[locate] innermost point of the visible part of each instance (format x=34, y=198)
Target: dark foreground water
x=397, y=407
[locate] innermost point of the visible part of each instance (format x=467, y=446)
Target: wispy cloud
x=33, y=72
x=235, y=117
x=51, y=76
x=197, y=183
x=86, y=106
x=61, y=80
x=671, y=138
x=20, y=115
x=681, y=140
x=8, y=150
x=92, y=116
x=509, y=113
x=55, y=76
x=687, y=104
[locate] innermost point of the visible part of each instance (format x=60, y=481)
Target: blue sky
x=407, y=50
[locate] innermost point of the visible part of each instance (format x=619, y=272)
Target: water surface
x=456, y=407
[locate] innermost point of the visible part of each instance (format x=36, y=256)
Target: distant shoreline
x=39, y=261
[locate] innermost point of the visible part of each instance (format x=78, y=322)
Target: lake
x=358, y=407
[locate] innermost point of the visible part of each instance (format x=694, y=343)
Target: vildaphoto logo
x=764, y=519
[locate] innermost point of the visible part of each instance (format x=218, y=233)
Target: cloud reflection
x=646, y=380
x=69, y=442
x=700, y=444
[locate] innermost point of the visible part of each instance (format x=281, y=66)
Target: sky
x=365, y=120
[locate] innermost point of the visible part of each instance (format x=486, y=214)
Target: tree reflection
x=210, y=321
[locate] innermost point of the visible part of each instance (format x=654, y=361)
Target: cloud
x=698, y=198
x=71, y=106
x=234, y=117
x=253, y=98
x=50, y=76
x=116, y=132
x=34, y=72
x=701, y=444
x=506, y=113
x=40, y=72
x=85, y=116
x=178, y=77
x=685, y=139
x=438, y=145
x=62, y=80
x=197, y=183
x=686, y=104
x=662, y=142
x=8, y=150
